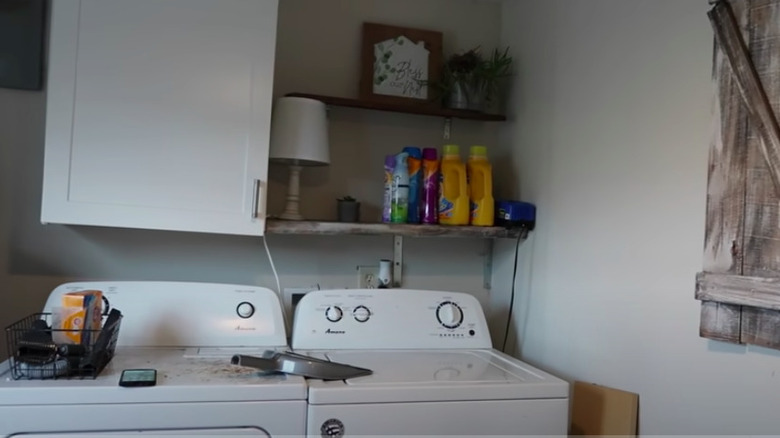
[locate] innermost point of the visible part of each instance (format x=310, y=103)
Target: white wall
x=611, y=121
x=318, y=51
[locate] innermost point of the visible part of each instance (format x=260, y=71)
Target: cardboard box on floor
x=599, y=410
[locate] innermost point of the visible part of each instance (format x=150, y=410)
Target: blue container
x=515, y=214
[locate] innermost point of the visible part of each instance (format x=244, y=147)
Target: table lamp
x=299, y=137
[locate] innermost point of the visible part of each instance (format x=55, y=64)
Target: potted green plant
x=472, y=82
x=348, y=209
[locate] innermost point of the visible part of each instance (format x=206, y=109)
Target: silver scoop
x=301, y=365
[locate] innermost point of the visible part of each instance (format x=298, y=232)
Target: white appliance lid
x=442, y=375
x=183, y=375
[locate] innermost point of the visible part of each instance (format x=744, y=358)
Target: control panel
x=389, y=319
x=184, y=314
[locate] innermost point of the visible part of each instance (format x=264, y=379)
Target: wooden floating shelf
x=277, y=226
x=409, y=109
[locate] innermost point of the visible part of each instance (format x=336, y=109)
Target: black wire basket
x=34, y=354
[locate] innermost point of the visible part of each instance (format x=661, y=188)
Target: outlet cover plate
x=368, y=277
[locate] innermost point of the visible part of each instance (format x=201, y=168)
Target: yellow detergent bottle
x=453, y=189
x=480, y=179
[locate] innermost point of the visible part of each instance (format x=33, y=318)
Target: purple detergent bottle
x=430, y=192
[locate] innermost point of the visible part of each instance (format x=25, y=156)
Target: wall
x=318, y=51
x=611, y=121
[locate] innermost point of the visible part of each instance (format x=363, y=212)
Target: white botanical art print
x=400, y=68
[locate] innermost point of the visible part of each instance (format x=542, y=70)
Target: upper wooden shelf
x=409, y=109
x=277, y=226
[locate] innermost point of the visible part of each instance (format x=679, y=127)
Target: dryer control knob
x=334, y=313
x=361, y=313
x=449, y=314
x=245, y=310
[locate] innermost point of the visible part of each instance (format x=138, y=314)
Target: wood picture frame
x=398, y=77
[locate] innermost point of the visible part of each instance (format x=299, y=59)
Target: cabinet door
x=158, y=114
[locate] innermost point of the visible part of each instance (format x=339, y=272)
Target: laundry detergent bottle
x=453, y=189
x=399, y=211
x=430, y=193
x=480, y=183
x=414, y=162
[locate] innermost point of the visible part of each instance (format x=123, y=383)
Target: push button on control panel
x=334, y=313
x=361, y=313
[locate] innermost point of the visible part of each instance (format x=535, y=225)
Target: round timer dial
x=334, y=313
x=361, y=313
x=245, y=309
x=449, y=314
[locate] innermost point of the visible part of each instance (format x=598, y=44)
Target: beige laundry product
x=78, y=321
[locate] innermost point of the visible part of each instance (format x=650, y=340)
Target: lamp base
x=291, y=208
x=290, y=216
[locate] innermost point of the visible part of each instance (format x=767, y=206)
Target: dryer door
x=166, y=420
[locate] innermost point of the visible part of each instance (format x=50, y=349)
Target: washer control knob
x=245, y=309
x=334, y=313
x=361, y=313
x=449, y=314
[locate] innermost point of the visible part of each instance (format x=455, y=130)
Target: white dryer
x=187, y=332
x=434, y=369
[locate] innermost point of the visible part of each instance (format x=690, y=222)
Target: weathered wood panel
x=721, y=322
x=723, y=240
x=760, y=327
x=762, y=233
x=741, y=290
x=411, y=230
x=763, y=35
x=756, y=248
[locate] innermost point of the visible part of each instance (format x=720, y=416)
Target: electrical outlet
x=368, y=277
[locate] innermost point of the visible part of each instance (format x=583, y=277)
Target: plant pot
x=466, y=96
x=458, y=98
x=348, y=211
x=476, y=99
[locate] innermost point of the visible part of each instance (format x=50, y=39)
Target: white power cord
x=278, y=283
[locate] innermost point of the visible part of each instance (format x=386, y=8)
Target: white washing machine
x=435, y=372
x=187, y=332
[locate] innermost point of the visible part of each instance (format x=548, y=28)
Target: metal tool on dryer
x=301, y=365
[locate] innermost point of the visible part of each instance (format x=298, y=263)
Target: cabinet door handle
x=256, y=192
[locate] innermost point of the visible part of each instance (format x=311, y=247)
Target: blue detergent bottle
x=414, y=162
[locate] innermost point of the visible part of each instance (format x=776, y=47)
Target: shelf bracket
x=398, y=260
x=487, y=265
x=447, y=128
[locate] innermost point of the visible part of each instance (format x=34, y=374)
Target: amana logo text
x=334, y=332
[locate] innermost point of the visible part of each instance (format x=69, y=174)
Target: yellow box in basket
x=80, y=312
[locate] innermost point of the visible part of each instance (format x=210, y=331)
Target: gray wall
x=317, y=51
x=612, y=120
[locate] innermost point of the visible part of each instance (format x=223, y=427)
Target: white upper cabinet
x=158, y=114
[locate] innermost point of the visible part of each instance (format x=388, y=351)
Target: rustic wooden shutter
x=740, y=285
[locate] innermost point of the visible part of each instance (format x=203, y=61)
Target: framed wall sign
x=397, y=62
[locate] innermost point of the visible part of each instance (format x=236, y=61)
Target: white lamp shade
x=299, y=132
